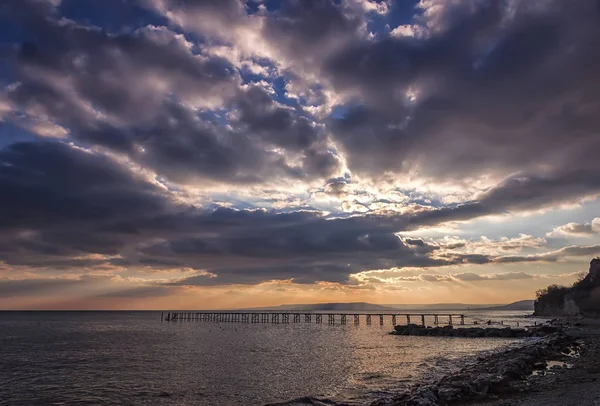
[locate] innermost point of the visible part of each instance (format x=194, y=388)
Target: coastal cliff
x=583, y=298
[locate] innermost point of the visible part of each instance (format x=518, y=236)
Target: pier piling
x=277, y=317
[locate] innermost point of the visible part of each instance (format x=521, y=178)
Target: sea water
x=132, y=358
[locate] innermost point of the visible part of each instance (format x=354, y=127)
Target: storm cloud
x=240, y=142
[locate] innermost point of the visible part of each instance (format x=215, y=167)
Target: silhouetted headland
x=581, y=299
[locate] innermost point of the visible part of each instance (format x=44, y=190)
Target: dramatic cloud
x=187, y=145
x=490, y=90
x=488, y=246
x=157, y=97
x=570, y=251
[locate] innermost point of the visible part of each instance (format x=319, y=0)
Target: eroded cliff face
x=568, y=307
x=582, y=298
x=594, y=274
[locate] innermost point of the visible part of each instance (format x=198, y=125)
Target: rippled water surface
x=133, y=358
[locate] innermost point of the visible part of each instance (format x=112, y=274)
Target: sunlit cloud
x=240, y=153
x=577, y=229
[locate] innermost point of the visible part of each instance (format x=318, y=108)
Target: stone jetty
x=473, y=332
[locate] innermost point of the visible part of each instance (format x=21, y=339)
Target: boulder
x=424, y=397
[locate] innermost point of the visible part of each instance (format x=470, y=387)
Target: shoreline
x=562, y=365
x=576, y=385
x=537, y=373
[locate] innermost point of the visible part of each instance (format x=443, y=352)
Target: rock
x=495, y=374
x=480, y=385
x=492, y=332
x=555, y=367
x=500, y=386
x=471, y=332
x=425, y=397
x=450, y=394
x=548, y=329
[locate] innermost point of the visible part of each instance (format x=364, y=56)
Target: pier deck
x=277, y=317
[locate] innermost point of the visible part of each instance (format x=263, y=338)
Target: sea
x=132, y=358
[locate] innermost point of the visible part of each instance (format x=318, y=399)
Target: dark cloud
x=65, y=206
x=139, y=93
x=509, y=95
x=298, y=25
x=570, y=251
x=34, y=287
x=435, y=278
x=49, y=286
x=305, y=252
x=249, y=275
x=140, y=292
x=287, y=128
x=495, y=92
x=517, y=194
x=47, y=184
x=72, y=65
x=57, y=198
x=275, y=124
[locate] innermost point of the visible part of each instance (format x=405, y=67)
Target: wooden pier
x=308, y=317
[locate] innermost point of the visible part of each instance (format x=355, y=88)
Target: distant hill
x=440, y=306
x=359, y=306
x=363, y=306
x=520, y=305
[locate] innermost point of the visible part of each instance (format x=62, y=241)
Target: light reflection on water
x=132, y=358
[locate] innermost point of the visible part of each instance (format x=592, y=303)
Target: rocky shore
x=495, y=375
x=562, y=368
x=474, y=332
x=574, y=384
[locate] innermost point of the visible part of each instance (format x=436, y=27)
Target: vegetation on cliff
x=581, y=298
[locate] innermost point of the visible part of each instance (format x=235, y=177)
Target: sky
x=200, y=154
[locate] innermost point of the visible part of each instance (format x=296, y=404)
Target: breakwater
x=473, y=332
